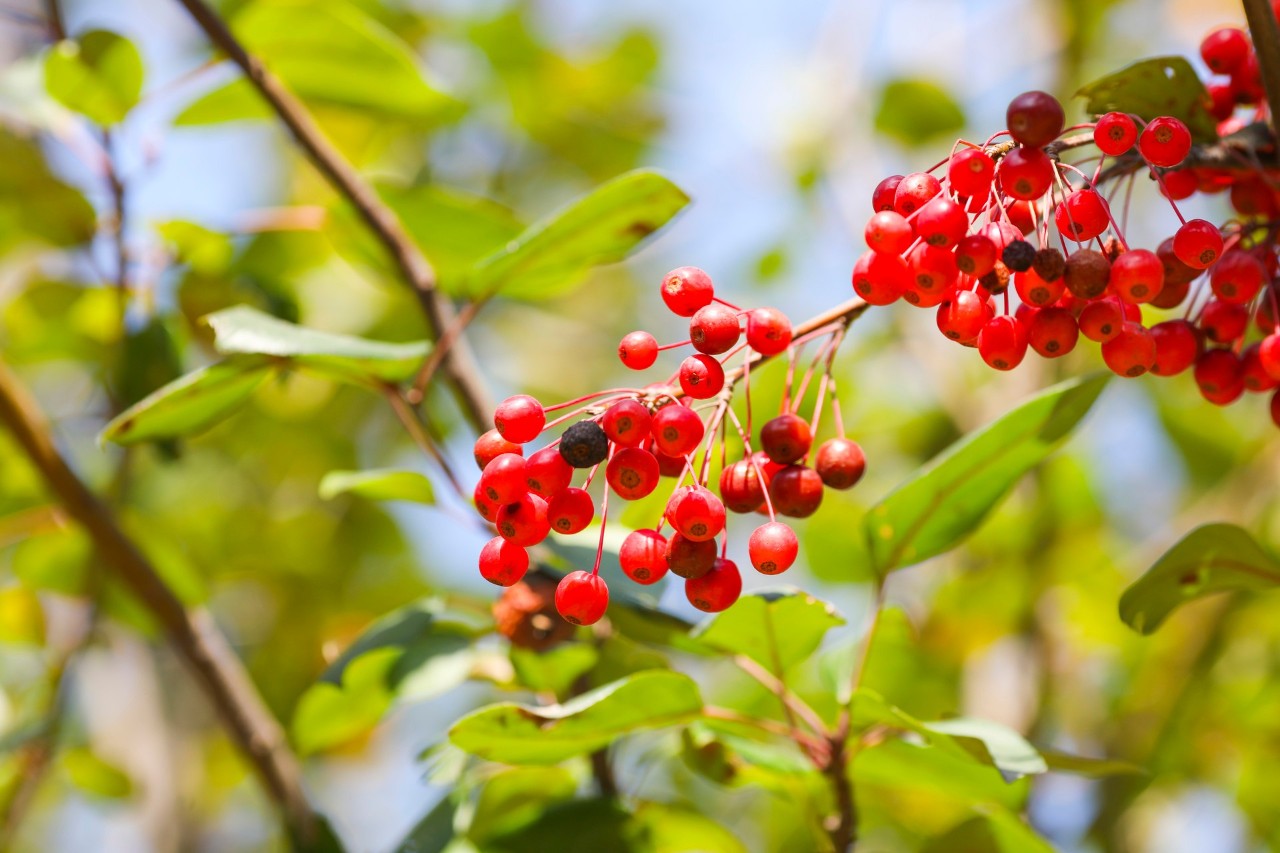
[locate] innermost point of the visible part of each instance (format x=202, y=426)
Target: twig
x=192, y=632
x=1266, y=44
x=412, y=422
x=418, y=390
x=57, y=26
x=793, y=703
x=414, y=268
x=116, y=188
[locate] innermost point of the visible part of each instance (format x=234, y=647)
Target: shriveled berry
x=632, y=473
x=796, y=491
x=584, y=444
x=686, y=289
x=546, y=472
x=689, y=559
x=582, y=598
x=1018, y=256
x=491, y=445
x=786, y=438
x=1049, y=264
x=740, y=487
x=1035, y=118
x=1087, y=273
x=677, y=430
x=768, y=331
x=717, y=589
x=519, y=418
x=502, y=562
x=643, y=556
x=772, y=548
x=638, y=350
x=627, y=423
x=714, y=329
x=840, y=463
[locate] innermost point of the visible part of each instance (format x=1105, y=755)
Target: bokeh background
x=778, y=119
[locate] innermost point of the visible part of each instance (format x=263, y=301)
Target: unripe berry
x=773, y=548
x=786, y=438
x=502, y=562
x=1035, y=118
x=840, y=463
x=686, y=289
x=717, y=589
x=582, y=598
x=643, y=556
x=520, y=418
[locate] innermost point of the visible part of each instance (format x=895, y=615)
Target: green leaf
x=554, y=670
x=433, y=832
x=949, y=497
x=1212, y=558
x=589, y=826
x=515, y=798
x=996, y=829
x=911, y=768
x=205, y=251
x=35, y=204
x=994, y=744
x=1094, y=768
x=380, y=484
x=915, y=111
x=190, y=403
x=99, y=75
x=775, y=628
x=95, y=776
x=1163, y=86
x=524, y=734
x=329, y=53
x=245, y=330
x=330, y=715
x=551, y=256
x=21, y=617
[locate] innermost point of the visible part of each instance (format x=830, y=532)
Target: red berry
x=677, y=430
x=1137, y=276
x=717, y=589
x=714, y=329
x=976, y=255
x=491, y=445
x=1237, y=277
x=546, y=473
x=1035, y=118
x=1223, y=100
x=696, y=513
x=786, y=438
x=1115, y=133
x=643, y=556
x=1179, y=185
x=1165, y=141
x=632, y=473
x=687, y=289
x=571, y=510
x=740, y=487
x=523, y=522
x=1132, y=352
x=840, y=463
x=1002, y=343
x=487, y=509
x=582, y=598
x=690, y=559
x=626, y=423
x=888, y=232
x=1025, y=173
x=882, y=196
x=1198, y=243
x=1224, y=322
x=970, y=173
x=773, y=548
x=1220, y=376
x=1269, y=354
x=668, y=466
x=1225, y=49
x=1176, y=347
x=1100, y=321
x=962, y=316
x=1035, y=291
x=701, y=376
x=1256, y=377
x=768, y=331
x=519, y=418
x=1053, y=332
x=941, y=222
x=638, y=350
x=880, y=278
x=503, y=480
x=1082, y=216
x=796, y=491
x=914, y=191
x=932, y=270
x=502, y=562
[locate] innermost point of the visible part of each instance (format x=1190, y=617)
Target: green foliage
x=331, y=715
x=916, y=112
x=189, y=404
x=382, y=484
x=1165, y=85
x=99, y=75
x=1210, y=559
x=94, y=775
x=776, y=629
x=34, y=204
x=585, y=826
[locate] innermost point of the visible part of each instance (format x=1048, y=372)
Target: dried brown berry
x=526, y=614
x=996, y=281
x=1087, y=273
x=1049, y=264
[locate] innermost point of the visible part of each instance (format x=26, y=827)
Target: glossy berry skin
x=740, y=487
x=696, y=513
x=689, y=559
x=1224, y=322
x=570, y=511
x=976, y=255
x=1115, y=133
x=768, y=331
x=701, y=377
x=1256, y=377
x=677, y=430
x=643, y=556
x=1025, y=173
x=942, y=222
x=520, y=418
x=503, y=480
x=1002, y=343
x=1225, y=50
x=840, y=463
x=1035, y=291
x=717, y=589
x=914, y=192
x=584, y=444
x=796, y=491
x=883, y=194
x=1219, y=374
x=638, y=350
x=971, y=172
x=1269, y=354
x=1130, y=353
x=632, y=473
x=582, y=598
x=502, y=562
x=1165, y=141
x=888, y=232
x=714, y=329
x=772, y=548
x=627, y=423
x=1035, y=118
x=1198, y=243
x=932, y=270
x=546, y=473
x=786, y=438
x=1176, y=347
x=687, y=289
x=1137, y=276
x=1237, y=277
x=1100, y=321
x=880, y=278
x=487, y=509
x=524, y=522
x=1084, y=215
x=1053, y=332
x=491, y=445
x=962, y=317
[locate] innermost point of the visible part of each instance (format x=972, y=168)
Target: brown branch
x=192, y=632
x=843, y=826
x=57, y=25
x=415, y=269
x=1266, y=44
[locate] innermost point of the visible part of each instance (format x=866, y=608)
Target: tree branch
x=1266, y=43
x=459, y=363
x=192, y=632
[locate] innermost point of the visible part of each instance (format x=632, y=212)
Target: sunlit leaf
x=554, y=670
x=200, y=248
x=1000, y=746
x=330, y=715
x=915, y=111
x=777, y=629
x=382, y=484
x=602, y=227
x=515, y=798
x=99, y=75
x=433, y=832
x=1210, y=559
x=94, y=775
x=1094, y=768
x=526, y=734
x=588, y=826
x=949, y=497
x=36, y=205
x=997, y=830
x=1162, y=86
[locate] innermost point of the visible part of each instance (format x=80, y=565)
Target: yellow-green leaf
x=99, y=75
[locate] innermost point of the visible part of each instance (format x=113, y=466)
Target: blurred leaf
x=898, y=765
x=997, y=830
x=524, y=734
x=382, y=484
x=36, y=204
x=414, y=630
x=554, y=670
x=949, y=497
x=1162, y=86
x=551, y=256
x=776, y=628
x=330, y=715
x=515, y=798
x=99, y=75
x=189, y=404
x=245, y=330
x=1094, y=768
x=149, y=360
x=1212, y=558
x=95, y=776
x=994, y=744
x=57, y=561
x=205, y=251
x=589, y=826
x=328, y=53
x=915, y=112
x=21, y=617
x=433, y=832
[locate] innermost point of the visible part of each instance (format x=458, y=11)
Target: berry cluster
x=670, y=429
x=1014, y=213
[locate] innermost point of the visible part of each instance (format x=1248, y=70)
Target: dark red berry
x=1224, y=322
x=786, y=438
x=883, y=195
x=1176, y=347
x=1220, y=376
x=796, y=491
x=717, y=589
x=840, y=463
x=740, y=487
x=1035, y=118
x=690, y=559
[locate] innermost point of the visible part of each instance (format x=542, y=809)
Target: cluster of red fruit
x=1013, y=213
x=640, y=435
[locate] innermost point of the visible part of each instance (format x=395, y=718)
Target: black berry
x=584, y=444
